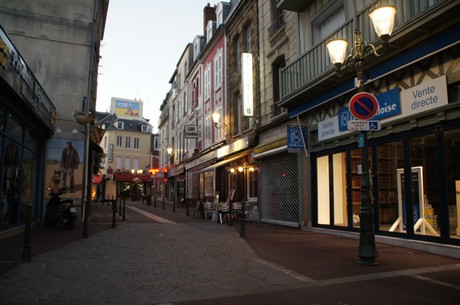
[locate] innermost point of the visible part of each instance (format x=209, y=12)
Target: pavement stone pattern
x=146, y=263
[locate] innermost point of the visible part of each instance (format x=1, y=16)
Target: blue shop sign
x=389, y=106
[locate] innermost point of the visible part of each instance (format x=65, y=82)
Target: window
x=128, y=142
x=119, y=141
x=207, y=82
x=156, y=144
x=248, y=39
x=328, y=21
x=253, y=184
x=237, y=114
x=145, y=128
x=277, y=65
x=218, y=69
x=219, y=14
x=127, y=163
x=207, y=131
x=119, y=160
x=236, y=53
x=209, y=28
x=136, y=163
x=184, y=98
x=136, y=143
x=119, y=125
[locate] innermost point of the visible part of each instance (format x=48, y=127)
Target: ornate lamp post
x=362, y=52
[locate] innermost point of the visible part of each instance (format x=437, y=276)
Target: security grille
x=279, y=194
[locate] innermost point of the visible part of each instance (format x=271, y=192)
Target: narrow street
x=150, y=259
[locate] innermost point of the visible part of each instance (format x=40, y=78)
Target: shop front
x=232, y=171
x=413, y=164
x=26, y=122
x=279, y=187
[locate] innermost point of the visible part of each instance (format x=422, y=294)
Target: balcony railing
x=315, y=63
x=277, y=24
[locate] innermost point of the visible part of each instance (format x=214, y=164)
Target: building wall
x=55, y=39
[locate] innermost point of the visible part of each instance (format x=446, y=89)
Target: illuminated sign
x=247, y=84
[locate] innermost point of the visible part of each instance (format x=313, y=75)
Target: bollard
x=186, y=207
x=114, y=212
x=243, y=219
x=26, y=253
x=124, y=210
x=119, y=210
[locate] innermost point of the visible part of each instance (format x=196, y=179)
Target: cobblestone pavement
x=145, y=264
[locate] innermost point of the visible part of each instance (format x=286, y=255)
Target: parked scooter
x=60, y=212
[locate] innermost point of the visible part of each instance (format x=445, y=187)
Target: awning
x=220, y=163
x=98, y=179
x=129, y=177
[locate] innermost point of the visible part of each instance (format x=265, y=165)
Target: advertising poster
x=64, y=167
x=124, y=108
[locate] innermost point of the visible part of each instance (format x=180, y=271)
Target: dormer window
x=119, y=125
x=145, y=128
x=209, y=30
x=219, y=14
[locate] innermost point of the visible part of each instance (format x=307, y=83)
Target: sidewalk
x=317, y=268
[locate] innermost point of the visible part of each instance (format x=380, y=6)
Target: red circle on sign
x=363, y=106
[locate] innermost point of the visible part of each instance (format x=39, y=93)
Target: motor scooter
x=60, y=212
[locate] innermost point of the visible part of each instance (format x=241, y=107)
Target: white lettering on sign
x=426, y=96
x=328, y=128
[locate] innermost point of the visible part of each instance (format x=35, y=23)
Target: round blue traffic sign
x=363, y=106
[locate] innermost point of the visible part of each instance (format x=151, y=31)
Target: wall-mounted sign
x=191, y=131
x=428, y=95
x=247, y=84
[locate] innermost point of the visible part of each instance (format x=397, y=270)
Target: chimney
x=209, y=13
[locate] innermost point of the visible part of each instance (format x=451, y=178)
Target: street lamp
x=362, y=52
x=170, y=150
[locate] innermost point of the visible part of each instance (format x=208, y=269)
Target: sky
x=142, y=44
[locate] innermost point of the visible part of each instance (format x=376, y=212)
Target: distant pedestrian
x=69, y=162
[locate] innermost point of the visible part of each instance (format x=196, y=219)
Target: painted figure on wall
x=69, y=163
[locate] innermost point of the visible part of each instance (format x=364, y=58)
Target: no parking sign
x=363, y=105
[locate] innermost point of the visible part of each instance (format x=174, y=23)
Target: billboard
x=130, y=109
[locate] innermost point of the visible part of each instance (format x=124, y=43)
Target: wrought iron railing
x=277, y=24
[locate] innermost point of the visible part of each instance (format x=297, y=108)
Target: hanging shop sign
x=296, y=137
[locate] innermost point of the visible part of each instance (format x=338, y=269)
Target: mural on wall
x=63, y=169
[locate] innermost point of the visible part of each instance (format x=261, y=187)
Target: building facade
x=413, y=173
x=127, y=146
x=60, y=43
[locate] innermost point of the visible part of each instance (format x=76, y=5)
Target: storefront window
x=322, y=175
x=356, y=171
x=340, y=190
x=452, y=161
x=253, y=183
x=10, y=209
x=424, y=185
x=389, y=160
